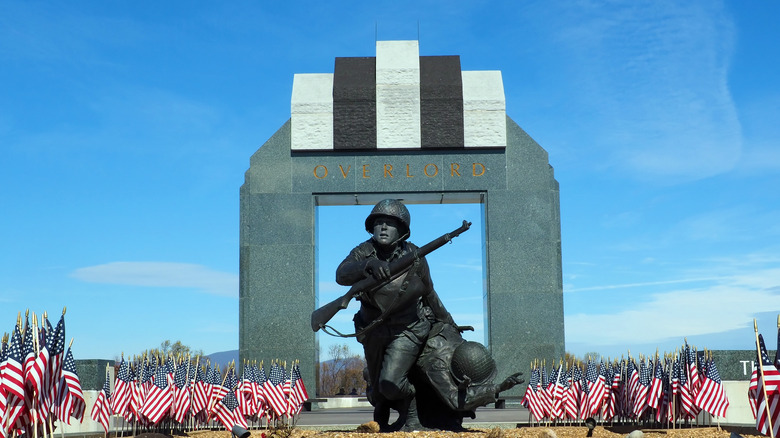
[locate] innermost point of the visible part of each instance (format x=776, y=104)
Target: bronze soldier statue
x=398, y=307
x=454, y=377
x=407, y=305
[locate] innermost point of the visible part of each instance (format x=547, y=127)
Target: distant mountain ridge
x=224, y=358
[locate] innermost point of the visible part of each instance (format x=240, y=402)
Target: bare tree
x=175, y=349
x=342, y=373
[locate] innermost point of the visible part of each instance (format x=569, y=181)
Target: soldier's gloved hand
x=509, y=382
x=464, y=328
x=378, y=269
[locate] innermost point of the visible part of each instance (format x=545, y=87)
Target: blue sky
x=126, y=128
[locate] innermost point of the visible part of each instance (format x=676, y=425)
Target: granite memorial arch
x=400, y=125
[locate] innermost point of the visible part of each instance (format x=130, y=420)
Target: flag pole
x=670, y=401
x=105, y=433
x=192, y=385
x=34, y=400
x=62, y=429
x=51, y=422
x=763, y=380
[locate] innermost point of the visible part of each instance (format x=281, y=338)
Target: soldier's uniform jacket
x=435, y=364
x=410, y=296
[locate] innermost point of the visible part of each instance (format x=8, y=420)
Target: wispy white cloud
x=644, y=284
x=655, y=77
x=731, y=303
x=161, y=274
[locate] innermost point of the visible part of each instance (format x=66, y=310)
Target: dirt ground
x=524, y=432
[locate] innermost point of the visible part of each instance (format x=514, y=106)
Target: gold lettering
x=324, y=171
x=430, y=170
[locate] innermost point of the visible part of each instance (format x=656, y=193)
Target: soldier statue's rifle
x=321, y=316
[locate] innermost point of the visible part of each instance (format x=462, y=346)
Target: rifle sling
x=412, y=271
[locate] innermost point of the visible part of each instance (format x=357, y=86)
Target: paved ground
x=352, y=417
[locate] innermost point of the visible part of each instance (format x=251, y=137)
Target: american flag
x=214, y=388
x=615, y=383
x=286, y=388
x=146, y=377
x=55, y=341
x=640, y=396
x=199, y=393
x=686, y=399
x=530, y=399
x=170, y=367
x=36, y=375
x=605, y=376
x=101, y=411
x=245, y=392
x=569, y=396
x=28, y=348
x=675, y=377
x=770, y=380
x=673, y=410
x=259, y=380
x=274, y=389
x=656, y=386
x=219, y=388
x=122, y=389
x=3, y=356
x=13, y=380
x=576, y=385
x=298, y=393
x=70, y=397
x=693, y=371
x=160, y=397
x=596, y=389
x=227, y=412
x=181, y=397
x=662, y=412
x=711, y=396
x=633, y=384
x=545, y=403
x=254, y=392
x=555, y=392
x=136, y=397
x=227, y=408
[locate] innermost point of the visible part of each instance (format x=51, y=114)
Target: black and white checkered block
x=398, y=100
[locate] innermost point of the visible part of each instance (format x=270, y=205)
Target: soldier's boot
x=411, y=420
x=382, y=415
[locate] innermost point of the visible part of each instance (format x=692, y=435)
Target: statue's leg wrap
x=399, y=358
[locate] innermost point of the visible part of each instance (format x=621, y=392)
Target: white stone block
x=311, y=131
x=484, y=129
x=397, y=62
x=484, y=109
x=311, y=109
x=483, y=90
x=398, y=94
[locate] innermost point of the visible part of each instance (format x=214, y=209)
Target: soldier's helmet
x=390, y=208
x=472, y=360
